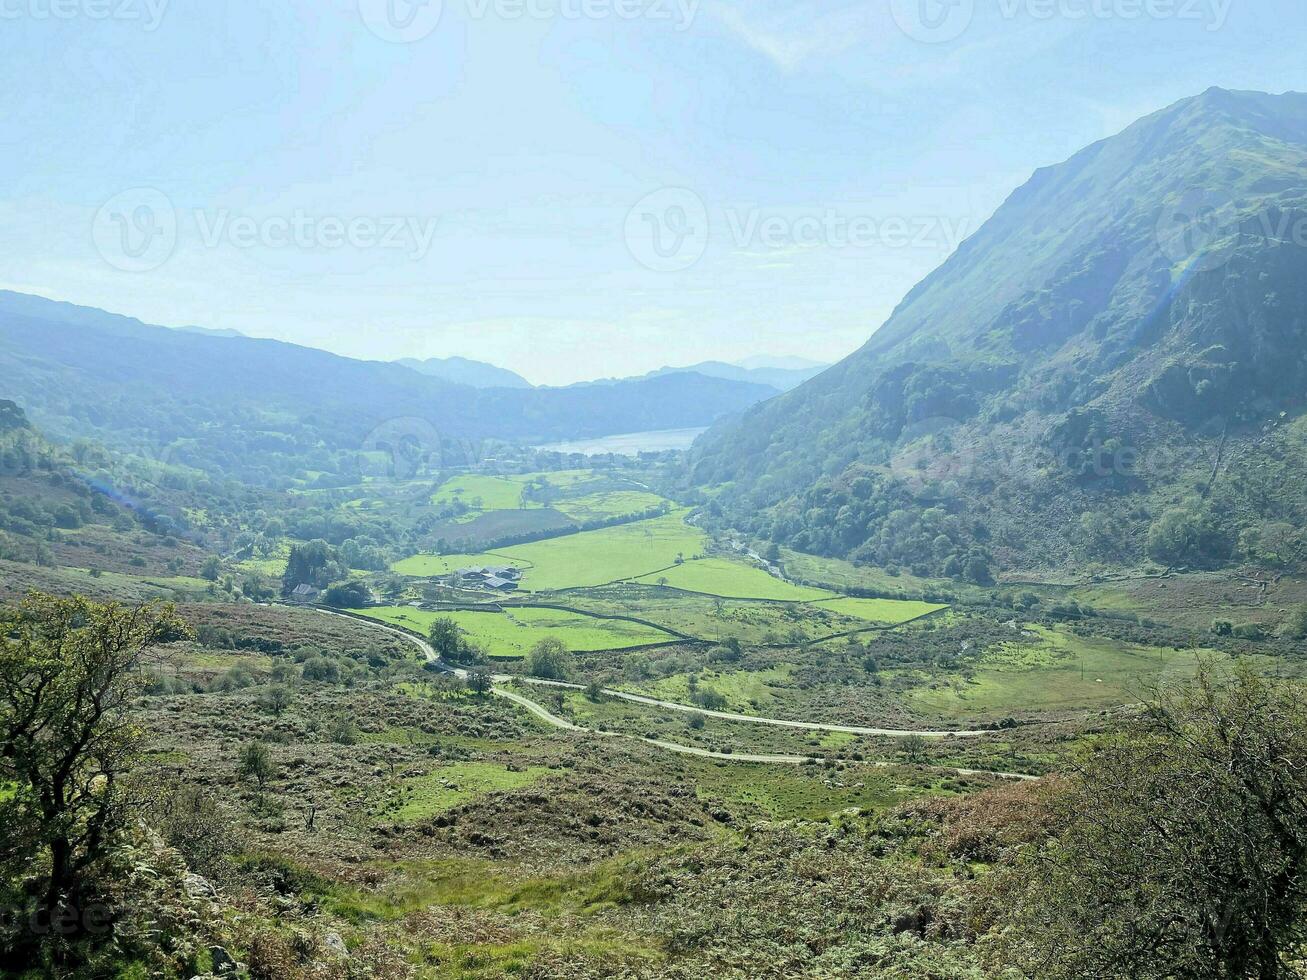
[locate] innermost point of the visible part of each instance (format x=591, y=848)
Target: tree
x=69, y=670
x=1296, y=626
x=1180, y=845
x=594, y=691
x=447, y=640
x=314, y=563
x=1186, y=534
x=278, y=698
x=913, y=747
x=352, y=595
x=210, y=569
x=255, y=762
x=479, y=681
x=549, y=659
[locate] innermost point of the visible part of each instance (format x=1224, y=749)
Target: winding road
x=543, y=714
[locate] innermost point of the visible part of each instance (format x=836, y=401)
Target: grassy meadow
x=512, y=632
x=732, y=580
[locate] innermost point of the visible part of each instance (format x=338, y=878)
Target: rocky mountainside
x=1119, y=319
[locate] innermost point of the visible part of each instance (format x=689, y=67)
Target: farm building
x=499, y=579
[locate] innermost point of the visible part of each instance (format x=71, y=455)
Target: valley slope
x=1116, y=343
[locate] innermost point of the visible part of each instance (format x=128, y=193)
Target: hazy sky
x=569, y=188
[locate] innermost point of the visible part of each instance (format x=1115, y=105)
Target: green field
x=798, y=792
x=426, y=566
x=512, y=633
x=841, y=574
x=746, y=692
x=880, y=610
x=608, y=504
x=425, y=796
x=485, y=493
x=712, y=618
x=609, y=554
x=492, y=492
x=1052, y=670
x=732, y=580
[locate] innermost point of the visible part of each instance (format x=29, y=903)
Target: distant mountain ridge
x=780, y=374
x=779, y=378
x=463, y=371
x=1148, y=294
x=262, y=409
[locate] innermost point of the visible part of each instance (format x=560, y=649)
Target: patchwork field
x=732, y=580
x=610, y=554
x=713, y=618
x=483, y=492
x=880, y=610
x=511, y=633
x=609, y=504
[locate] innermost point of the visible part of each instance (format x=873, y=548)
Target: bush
x=1249, y=631
x=549, y=659
x=321, y=670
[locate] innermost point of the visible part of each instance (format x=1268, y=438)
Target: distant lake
x=630, y=443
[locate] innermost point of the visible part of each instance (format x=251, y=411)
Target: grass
x=712, y=618
x=417, y=885
x=428, y=566
x=181, y=587
x=427, y=795
x=608, y=504
x=845, y=575
x=745, y=691
x=1055, y=671
x=880, y=610
x=274, y=566
x=609, y=554
x=494, y=492
x=210, y=660
x=804, y=792
x=731, y=580
x=512, y=633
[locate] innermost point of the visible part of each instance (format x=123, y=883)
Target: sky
x=570, y=189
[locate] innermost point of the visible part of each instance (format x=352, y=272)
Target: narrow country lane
x=542, y=713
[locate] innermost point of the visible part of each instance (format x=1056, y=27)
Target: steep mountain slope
x=1096, y=338
x=462, y=371
x=262, y=409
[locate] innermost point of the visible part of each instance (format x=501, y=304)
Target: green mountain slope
x=1092, y=344
x=260, y=410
